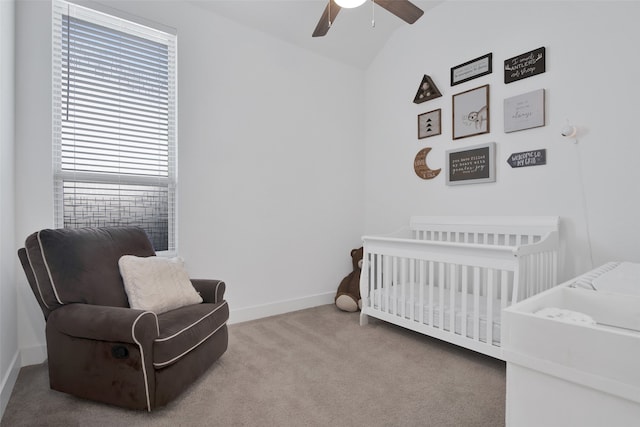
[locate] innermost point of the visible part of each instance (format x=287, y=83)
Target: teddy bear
x=348, y=295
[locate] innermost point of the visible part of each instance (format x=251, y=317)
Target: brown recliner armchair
x=99, y=348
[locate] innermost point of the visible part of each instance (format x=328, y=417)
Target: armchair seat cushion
x=184, y=329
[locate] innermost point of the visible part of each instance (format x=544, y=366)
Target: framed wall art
x=471, y=165
x=524, y=111
x=426, y=91
x=429, y=124
x=471, y=112
x=470, y=70
x=525, y=65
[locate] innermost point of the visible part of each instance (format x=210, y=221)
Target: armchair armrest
x=210, y=290
x=77, y=332
x=104, y=323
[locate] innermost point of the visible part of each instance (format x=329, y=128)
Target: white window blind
x=114, y=84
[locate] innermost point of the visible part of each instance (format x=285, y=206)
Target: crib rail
x=453, y=284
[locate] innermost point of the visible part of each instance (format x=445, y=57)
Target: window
x=114, y=122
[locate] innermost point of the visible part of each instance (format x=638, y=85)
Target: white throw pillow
x=157, y=284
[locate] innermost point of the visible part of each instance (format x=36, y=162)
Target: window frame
x=117, y=21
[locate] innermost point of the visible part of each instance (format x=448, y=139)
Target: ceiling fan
x=403, y=9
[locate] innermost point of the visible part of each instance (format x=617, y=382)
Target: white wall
x=270, y=159
x=9, y=363
x=590, y=80
x=34, y=188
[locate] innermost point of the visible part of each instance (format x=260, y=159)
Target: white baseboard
x=9, y=380
x=34, y=355
x=266, y=310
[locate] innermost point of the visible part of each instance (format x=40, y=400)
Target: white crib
x=450, y=277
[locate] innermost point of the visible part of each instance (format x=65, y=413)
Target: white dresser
x=573, y=352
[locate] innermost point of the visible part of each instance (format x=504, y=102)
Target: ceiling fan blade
x=324, y=23
x=403, y=9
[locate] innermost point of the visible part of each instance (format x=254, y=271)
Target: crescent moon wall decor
x=420, y=165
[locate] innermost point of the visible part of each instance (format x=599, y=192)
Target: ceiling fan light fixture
x=403, y=9
x=349, y=4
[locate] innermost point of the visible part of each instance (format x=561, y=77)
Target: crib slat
x=386, y=305
x=431, y=302
x=539, y=272
x=463, y=312
x=535, y=273
x=476, y=303
x=541, y=275
x=552, y=268
x=517, y=283
x=525, y=279
x=441, y=294
x=542, y=270
x=421, y=284
x=555, y=266
x=532, y=277
x=452, y=298
x=403, y=287
x=504, y=292
x=372, y=281
x=549, y=264
x=548, y=273
x=374, y=278
x=533, y=289
x=412, y=283
x=394, y=266
x=545, y=270
x=489, y=321
x=366, y=268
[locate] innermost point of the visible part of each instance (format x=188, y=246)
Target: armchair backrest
x=80, y=265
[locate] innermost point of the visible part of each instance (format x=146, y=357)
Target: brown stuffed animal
x=348, y=295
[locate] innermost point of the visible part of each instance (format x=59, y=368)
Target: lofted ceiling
x=351, y=40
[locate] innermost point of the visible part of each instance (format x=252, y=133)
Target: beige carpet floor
x=315, y=367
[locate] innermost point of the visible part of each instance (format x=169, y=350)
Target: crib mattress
x=379, y=297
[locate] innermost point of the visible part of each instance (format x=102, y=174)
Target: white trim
x=280, y=307
x=168, y=362
x=191, y=325
x=119, y=14
x=144, y=368
x=8, y=382
x=215, y=295
x=36, y=278
x=46, y=264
